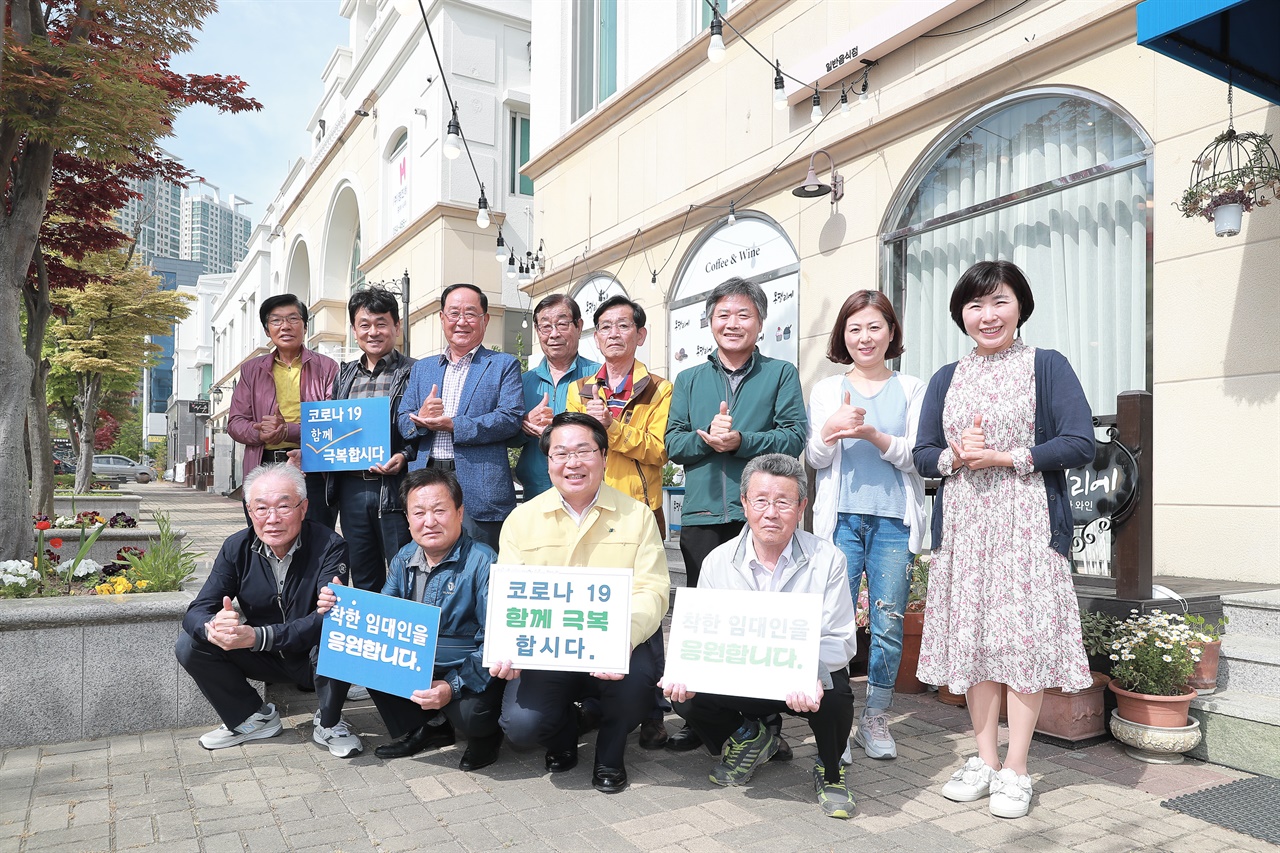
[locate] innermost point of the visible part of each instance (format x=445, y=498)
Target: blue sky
x=279, y=47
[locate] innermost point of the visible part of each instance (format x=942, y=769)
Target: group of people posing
x=997, y=429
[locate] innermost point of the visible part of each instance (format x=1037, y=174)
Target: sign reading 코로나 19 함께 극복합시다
x=346, y=435
x=379, y=641
x=734, y=642
x=563, y=618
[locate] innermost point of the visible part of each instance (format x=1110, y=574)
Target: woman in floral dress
x=1000, y=427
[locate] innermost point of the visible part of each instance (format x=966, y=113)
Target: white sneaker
x=874, y=738
x=342, y=742
x=971, y=782
x=1010, y=794
x=356, y=693
x=847, y=757
x=257, y=727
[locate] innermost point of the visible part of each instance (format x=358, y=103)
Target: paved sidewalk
x=161, y=791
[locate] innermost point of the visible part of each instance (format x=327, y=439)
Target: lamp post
x=404, y=296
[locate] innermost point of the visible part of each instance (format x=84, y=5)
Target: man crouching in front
x=275, y=571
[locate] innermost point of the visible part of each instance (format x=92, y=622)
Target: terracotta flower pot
x=1147, y=710
x=948, y=698
x=1204, y=678
x=912, y=628
x=1075, y=716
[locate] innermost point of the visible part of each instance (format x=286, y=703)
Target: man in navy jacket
x=275, y=571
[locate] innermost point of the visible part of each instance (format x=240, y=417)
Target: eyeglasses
x=610, y=328
x=263, y=512
x=291, y=320
x=560, y=326
x=560, y=457
x=782, y=505
x=455, y=315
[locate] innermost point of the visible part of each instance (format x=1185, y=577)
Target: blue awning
x=1215, y=36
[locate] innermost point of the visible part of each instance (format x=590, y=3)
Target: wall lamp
x=363, y=113
x=812, y=187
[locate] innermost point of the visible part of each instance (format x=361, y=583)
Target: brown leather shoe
x=653, y=734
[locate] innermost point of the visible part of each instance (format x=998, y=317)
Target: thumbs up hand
x=225, y=631
x=973, y=451
x=599, y=410
x=973, y=439
x=720, y=435
x=431, y=415
x=847, y=422
x=538, y=418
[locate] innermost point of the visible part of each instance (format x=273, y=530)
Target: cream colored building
x=1040, y=132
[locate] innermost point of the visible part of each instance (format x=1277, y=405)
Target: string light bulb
x=815, y=114
x=779, y=86
x=844, y=100
x=453, y=136
x=733, y=220
x=511, y=265
x=500, y=254
x=482, y=210
x=715, y=48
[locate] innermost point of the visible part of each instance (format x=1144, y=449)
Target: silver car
x=109, y=466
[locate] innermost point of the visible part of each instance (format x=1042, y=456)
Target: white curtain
x=1083, y=247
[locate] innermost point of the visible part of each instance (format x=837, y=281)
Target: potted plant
x=672, y=497
x=1081, y=714
x=1234, y=174
x=913, y=628
x=1204, y=678
x=1154, y=655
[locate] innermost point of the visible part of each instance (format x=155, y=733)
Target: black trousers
x=473, y=715
x=223, y=677
x=373, y=536
x=699, y=541
x=537, y=709
x=715, y=717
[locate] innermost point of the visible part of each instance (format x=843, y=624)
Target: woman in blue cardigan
x=1000, y=427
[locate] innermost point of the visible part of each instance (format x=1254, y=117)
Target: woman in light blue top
x=870, y=500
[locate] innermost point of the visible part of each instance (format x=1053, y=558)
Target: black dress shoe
x=559, y=762
x=653, y=734
x=481, y=752
x=421, y=738
x=609, y=780
x=784, y=749
x=684, y=740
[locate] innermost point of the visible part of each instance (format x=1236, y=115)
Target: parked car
x=109, y=466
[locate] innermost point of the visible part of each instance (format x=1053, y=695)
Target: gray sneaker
x=874, y=738
x=341, y=741
x=257, y=727
x=746, y=750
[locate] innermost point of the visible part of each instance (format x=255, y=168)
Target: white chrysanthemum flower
x=87, y=567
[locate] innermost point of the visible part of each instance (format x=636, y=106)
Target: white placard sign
x=562, y=618
x=734, y=642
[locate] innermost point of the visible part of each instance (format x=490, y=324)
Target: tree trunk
x=87, y=401
x=40, y=444
x=16, y=537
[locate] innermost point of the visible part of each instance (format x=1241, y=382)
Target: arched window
x=1059, y=182
x=590, y=295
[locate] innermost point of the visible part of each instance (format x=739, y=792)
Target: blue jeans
x=879, y=547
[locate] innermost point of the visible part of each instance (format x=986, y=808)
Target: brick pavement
x=160, y=791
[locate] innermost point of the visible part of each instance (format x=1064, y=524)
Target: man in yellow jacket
x=583, y=522
x=629, y=402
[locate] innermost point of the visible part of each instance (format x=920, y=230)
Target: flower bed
x=91, y=666
x=109, y=542
x=104, y=503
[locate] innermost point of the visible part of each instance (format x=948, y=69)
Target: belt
x=442, y=464
x=363, y=475
x=279, y=455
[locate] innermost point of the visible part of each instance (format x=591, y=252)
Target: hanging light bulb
x=453, y=136
x=715, y=48
x=511, y=265
x=815, y=114
x=779, y=95
x=862, y=95
x=524, y=277
x=844, y=100
x=524, y=323
x=733, y=220
x=500, y=254
x=482, y=210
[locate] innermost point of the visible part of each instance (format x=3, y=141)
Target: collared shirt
x=734, y=377
x=616, y=398
x=279, y=565
x=455, y=376
x=574, y=514
x=375, y=383
x=532, y=467
x=766, y=579
x=288, y=382
x=422, y=572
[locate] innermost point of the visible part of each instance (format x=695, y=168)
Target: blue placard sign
x=346, y=435
x=379, y=641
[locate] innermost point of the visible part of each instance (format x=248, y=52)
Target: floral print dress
x=1001, y=605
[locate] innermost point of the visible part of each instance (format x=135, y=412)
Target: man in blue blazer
x=461, y=407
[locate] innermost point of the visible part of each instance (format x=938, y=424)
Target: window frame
x=515, y=180
x=583, y=103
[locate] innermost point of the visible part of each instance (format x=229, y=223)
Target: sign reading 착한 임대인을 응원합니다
x=563, y=618
x=379, y=641
x=346, y=435
x=735, y=642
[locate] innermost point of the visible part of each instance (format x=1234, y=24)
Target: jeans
x=879, y=546
x=373, y=538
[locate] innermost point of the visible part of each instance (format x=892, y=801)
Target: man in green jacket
x=739, y=405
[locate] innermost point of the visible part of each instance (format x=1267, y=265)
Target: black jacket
x=286, y=623
x=389, y=492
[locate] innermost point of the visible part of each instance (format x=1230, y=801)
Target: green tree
x=103, y=337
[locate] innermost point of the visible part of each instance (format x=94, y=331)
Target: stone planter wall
x=106, y=503
x=111, y=541
x=85, y=667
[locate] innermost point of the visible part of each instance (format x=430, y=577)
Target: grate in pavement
x=1249, y=806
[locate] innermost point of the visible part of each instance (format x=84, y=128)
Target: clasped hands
x=431, y=416
x=847, y=422
x=272, y=429
x=720, y=436
x=972, y=451
x=797, y=701
x=226, y=631
x=538, y=419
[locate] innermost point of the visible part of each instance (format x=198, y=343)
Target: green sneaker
x=835, y=797
x=747, y=749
